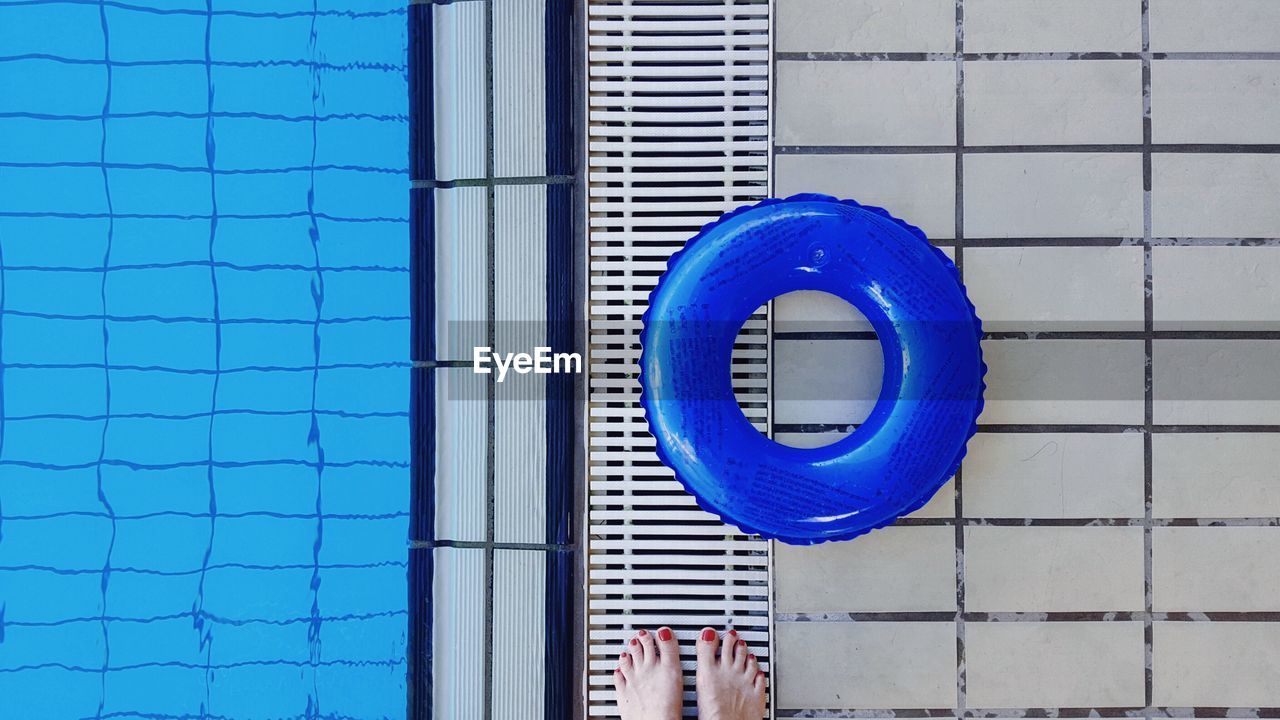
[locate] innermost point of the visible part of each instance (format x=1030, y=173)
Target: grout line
x=1148, y=372
x=315, y=629
x=1114, y=241
x=771, y=180
x=491, y=384
x=1090, y=522
x=1029, y=617
x=488, y=181
x=1135, y=148
x=962, y=680
x=104, y=584
x=1217, y=334
x=489, y=545
x=842, y=56
x=1031, y=428
x=1037, y=712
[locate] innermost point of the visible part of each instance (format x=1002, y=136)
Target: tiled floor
x=1107, y=175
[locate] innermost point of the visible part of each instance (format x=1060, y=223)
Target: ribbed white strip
x=458, y=81
x=519, y=99
x=461, y=324
x=519, y=634
x=677, y=134
x=458, y=625
x=520, y=432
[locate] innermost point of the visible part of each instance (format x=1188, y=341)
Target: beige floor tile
x=1052, y=102
x=826, y=103
x=918, y=188
x=1215, y=25
x=1215, y=195
x=1218, y=475
x=1215, y=101
x=1027, y=195
x=894, y=569
x=1210, y=569
x=1055, y=664
x=865, y=665
x=1053, y=569
x=1054, y=475
x=826, y=381
x=1213, y=382
x=1063, y=381
x=1245, y=282
x=1216, y=664
x=1056, y=288
x=1002, y=26
x=813, y=311
x=866, y=25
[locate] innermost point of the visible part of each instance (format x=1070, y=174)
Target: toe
x=707, y=646
x=752, y=666
x=668, y=646
x=740, y=653
x=625, y=665
x=646, y=643
x=619, y=681
x=759, y=682
x=635, y=651
x=727, y=643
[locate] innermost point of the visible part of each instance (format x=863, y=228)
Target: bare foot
x=648, y=679
x=731, y=686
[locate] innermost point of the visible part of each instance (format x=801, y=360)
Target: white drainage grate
x=678, y=115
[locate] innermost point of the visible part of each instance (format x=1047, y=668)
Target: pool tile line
x=314, y=645
x=105, y=583
x=260, y=14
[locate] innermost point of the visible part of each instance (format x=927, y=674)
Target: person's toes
x=727, y=643
x=625, y=665
x=740, y=653
x=759, y=682
x=706, y=647
x=646, y=642
x=668, y=646
x=752, y=667
x=636, y=651
x=619, y=680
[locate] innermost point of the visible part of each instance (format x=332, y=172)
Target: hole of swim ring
x=828, y=368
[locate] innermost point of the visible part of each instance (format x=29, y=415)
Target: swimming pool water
x=203, y=359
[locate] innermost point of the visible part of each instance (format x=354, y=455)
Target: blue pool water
x=203, y=359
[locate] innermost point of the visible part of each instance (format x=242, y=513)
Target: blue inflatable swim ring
x=915, y=436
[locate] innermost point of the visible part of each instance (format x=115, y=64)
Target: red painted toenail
x=664, y=634
x=733, y=633
x=708, y=635
x=634, y=641
x=642, y=633
x=751, y=656
x=742, y=643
